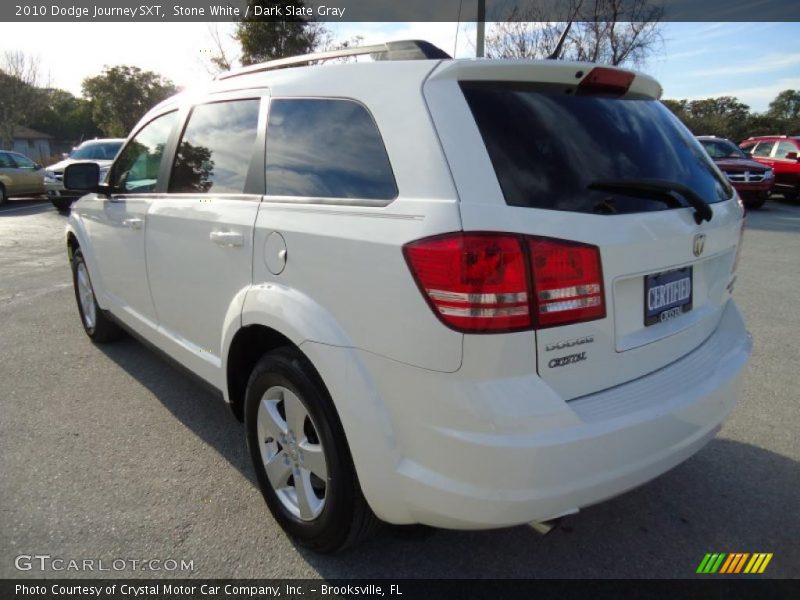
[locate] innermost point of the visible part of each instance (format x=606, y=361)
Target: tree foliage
x=786, y=106
x=263, y=39
x=121, y=95
x=64, y=116
x=19, y=95
x=726, y=117
x=613, y=32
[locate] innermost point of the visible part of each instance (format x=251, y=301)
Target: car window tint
x=23, y=162
x=763, y=149
x=714, y=149
x=785, y=148
x=548, y=148
x=326, y=148
x=6, y=162
x=136, y=168
x=215, y=149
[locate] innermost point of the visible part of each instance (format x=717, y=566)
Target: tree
x=727, y=117
x=614, y=32
x=263, y=39
x=121, y=95
x=64, y=116
x=19, y=94
x=786, y=105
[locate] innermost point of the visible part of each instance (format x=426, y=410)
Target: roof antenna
x=458, y=26
x=557, y=52
x=481, y=33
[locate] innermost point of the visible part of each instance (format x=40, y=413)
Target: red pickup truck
x=753, y=181
x=782, y=154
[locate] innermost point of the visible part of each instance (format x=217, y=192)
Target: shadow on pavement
x=17, y=206
x=775, y=215
x=730, y=497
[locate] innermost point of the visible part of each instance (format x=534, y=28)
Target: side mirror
x=65, y=155
x=791, y=155
x=83, y=177
x=37, y=167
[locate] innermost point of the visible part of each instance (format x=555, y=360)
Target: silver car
x=100, y=151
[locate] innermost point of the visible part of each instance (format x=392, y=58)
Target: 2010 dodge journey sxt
x=468, y=294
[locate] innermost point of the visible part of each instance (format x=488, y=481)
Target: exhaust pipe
x=545, y=527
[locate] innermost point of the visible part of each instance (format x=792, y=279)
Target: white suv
x=464, y=293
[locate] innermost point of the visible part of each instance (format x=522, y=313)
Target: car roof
x=388, y=78
x=101, y=141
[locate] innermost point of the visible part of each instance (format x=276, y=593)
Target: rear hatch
x=589, y=155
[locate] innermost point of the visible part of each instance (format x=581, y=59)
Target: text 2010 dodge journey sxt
x=463, y=293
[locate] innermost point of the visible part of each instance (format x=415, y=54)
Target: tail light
x=567, y=280
x=497, y=282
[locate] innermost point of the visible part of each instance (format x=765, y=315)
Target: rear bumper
x=480, y=453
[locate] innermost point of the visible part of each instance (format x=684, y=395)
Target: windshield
x=97, y=151
x=722, y=149
x=547, y=147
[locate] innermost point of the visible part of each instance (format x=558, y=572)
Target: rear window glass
x=547, y=147
x=326, y=148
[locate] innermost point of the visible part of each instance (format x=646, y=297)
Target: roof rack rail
x=400, y=50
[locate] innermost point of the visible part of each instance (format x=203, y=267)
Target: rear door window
x=763, y=149
x=547, y=147
x=216, y=147
x=326, y=148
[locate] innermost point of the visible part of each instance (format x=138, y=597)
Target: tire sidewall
x=77, y=258
x=330, y=529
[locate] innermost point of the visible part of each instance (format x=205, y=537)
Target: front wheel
x=98, y=326
x=300, y=455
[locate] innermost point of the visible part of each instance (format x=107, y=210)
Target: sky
x=752, y=61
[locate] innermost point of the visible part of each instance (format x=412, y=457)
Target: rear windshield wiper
x=662, y=189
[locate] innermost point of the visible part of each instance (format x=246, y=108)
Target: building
x=33, y=144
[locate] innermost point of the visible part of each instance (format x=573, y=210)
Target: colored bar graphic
x=703, y=563
x=765, y=563
x=722, y=563
x=741, y=562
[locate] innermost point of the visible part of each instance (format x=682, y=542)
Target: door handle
x=227, y=238
x=133, y=223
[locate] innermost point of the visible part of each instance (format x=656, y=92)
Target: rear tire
x=292, y=428
x=3, y=195
x=97, y=325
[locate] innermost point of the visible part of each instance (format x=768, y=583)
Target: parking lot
x=109, y=452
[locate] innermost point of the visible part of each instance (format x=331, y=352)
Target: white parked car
x=464, y=293
x=101, y=151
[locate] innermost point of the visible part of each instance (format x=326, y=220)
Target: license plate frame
x=672, y=309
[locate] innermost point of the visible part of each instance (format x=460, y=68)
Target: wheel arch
x=246, y=348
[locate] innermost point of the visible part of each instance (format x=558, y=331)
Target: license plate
x=667, y=295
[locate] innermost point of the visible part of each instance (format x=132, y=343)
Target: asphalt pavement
x=108, y=452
